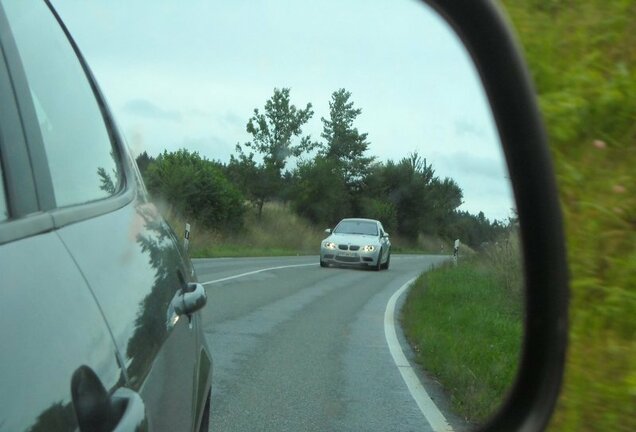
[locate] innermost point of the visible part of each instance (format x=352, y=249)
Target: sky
x=188, y=74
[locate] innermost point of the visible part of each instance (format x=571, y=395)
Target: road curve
x=301, y=348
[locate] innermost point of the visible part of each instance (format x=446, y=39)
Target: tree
x=343, y=142
x=410, y=197
x=407, y=186
x=319, y=192
x=258, y=182
x=273, y=133
x=445, y=197
x=143, y=162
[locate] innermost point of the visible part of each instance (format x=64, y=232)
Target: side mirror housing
x=328, y=230
x=190, y=299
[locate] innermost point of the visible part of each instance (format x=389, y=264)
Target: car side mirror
x=328, y=231
x=386, y=235
x=189, y=299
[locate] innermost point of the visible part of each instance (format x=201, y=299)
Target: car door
x=124, y=251
x=130, y=261
x=51, y=324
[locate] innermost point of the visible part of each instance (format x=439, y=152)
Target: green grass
x=466, y=330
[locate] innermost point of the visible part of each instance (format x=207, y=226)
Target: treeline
x=330, y=179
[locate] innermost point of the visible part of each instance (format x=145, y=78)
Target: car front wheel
x=378, y=265
x=385, y=266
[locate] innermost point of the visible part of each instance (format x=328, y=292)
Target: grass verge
x=466, y=330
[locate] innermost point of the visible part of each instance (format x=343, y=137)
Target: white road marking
x=433, y=415
x=255, y=272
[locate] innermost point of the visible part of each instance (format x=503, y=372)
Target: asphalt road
x=303, y=348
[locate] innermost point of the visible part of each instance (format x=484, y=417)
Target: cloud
x=145, y=108
x=465, y=127
x=473, y=166
x=232, y=119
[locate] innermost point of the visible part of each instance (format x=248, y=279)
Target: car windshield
x=356, y=227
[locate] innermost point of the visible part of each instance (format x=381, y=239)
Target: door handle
x=97, y=411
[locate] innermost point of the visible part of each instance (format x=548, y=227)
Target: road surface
x=297, y=347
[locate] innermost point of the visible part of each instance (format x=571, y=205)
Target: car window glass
x=4, y=213
x=356, y=227
x=79, y=151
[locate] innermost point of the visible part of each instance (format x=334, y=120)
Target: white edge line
x=433, y=415
x=255, y=272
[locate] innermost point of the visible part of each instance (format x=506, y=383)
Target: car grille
x=347, y=247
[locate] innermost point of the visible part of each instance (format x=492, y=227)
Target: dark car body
x=92, y=277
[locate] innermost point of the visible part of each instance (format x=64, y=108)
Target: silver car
x=357, y=242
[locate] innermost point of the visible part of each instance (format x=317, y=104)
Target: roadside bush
x=194, y=188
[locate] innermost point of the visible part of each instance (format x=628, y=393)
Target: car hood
x=354, y=239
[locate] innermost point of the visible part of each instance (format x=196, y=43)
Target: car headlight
x=368, y=248
x=330, y=245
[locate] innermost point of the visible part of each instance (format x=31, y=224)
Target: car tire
x=323, y=264
x=378, y=266
x=385, y=266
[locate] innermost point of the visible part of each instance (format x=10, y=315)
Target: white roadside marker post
x=456, y=251
x=186, y=237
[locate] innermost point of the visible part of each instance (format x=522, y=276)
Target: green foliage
x=195, y=188
x=420, y=201
x=582, y=56
x=272, y=131
x=320, y=192
x=473, y=230
x=257, y=182
x=144, y=160
x=344, y=144
x=466, y=330
x=381, y=210
x=272, y=134
x=342, y=180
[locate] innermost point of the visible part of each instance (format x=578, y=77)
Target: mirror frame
x=488, y=37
